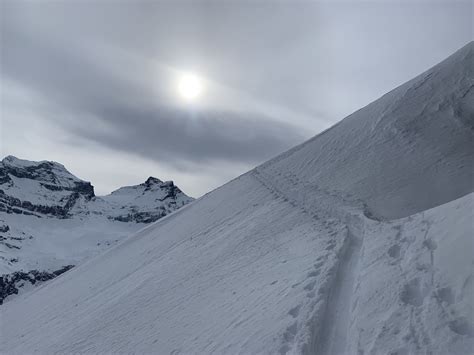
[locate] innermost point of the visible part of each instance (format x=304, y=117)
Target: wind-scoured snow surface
x=359, y=241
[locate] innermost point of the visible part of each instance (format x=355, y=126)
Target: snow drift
x=357, y=241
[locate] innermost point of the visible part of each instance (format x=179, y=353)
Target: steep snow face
x=408, y=151
x=50, y=219
x=289, y=258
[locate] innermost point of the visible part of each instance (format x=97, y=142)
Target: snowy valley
x=358, y=241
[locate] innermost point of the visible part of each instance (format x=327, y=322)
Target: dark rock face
x=10, y=283
x=11, y=204
x=168, y=186
x=171, y=190
x=141, y=217
x=46, y=174
x=151, y=181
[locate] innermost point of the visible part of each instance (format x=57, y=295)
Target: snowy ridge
x=396, y=147
x=358, y=241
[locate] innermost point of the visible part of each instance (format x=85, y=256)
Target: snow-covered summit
x=167, y=189
x=39, y=187
x=47, y=172
x=358, y=241
x=13, y=161
x=146, y=202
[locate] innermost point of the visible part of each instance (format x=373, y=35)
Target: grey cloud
x=91, y=67
x=130, y=117
x=62, y=75
x=174, y=136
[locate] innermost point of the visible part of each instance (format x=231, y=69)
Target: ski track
x=333, y=336
x=328, y=324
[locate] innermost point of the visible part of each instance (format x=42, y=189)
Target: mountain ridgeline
x=50, y=220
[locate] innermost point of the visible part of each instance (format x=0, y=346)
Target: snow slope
x=359, y=241
x=406, y=152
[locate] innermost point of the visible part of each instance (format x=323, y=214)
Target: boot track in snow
x=332, y=335
x=329, y=326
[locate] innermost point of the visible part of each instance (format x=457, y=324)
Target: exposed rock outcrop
x=11, y=283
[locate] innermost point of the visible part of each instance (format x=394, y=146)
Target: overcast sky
x=92, y=84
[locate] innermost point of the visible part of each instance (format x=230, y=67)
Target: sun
x=190, y=86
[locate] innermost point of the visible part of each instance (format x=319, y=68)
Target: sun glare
x=190, y=86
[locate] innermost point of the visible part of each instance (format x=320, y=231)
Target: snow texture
x=358, y=241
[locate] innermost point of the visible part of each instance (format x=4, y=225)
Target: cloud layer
x=101, y=76
x=118, y=110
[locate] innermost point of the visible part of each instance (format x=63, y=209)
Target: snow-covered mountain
x=358, y=241
x=51, y=220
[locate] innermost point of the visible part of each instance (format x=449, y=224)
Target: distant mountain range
x=50, y=219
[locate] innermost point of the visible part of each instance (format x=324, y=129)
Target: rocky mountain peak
x=152, y=181
x=48, y=174
x=19, y=166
